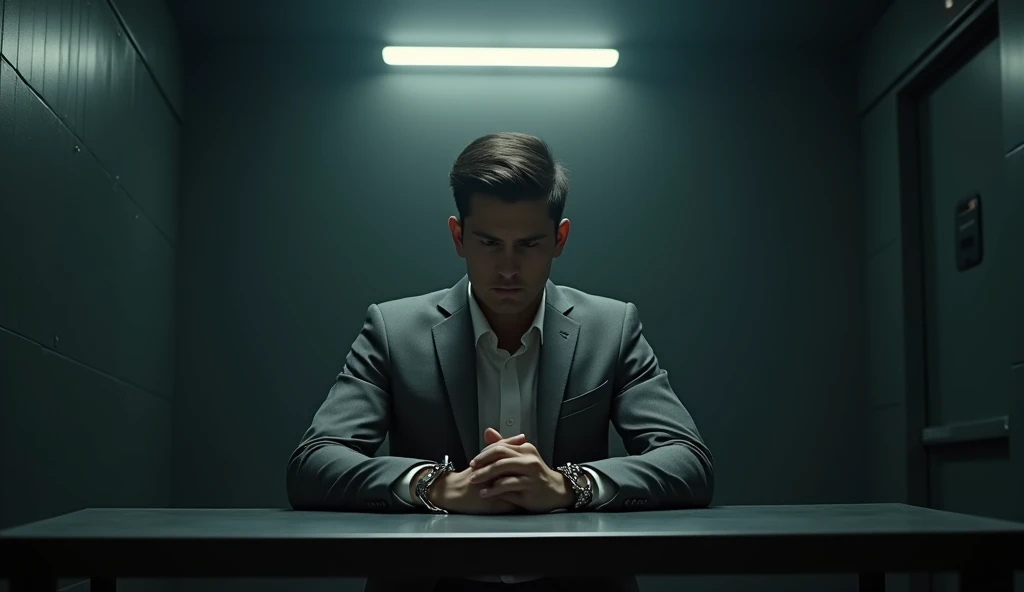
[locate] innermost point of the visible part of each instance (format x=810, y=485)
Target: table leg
x=103, y=585
x=872, y=582
x=987, y=580
x=40, y=584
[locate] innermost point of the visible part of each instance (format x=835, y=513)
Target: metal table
x=866, y=539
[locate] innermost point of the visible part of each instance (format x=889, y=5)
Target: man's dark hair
x=513, y=167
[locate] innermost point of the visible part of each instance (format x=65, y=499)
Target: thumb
x=491, y=436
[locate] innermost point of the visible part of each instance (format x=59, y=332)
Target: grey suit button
x=509, y=421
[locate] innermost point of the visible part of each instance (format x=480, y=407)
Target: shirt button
x=509, y=421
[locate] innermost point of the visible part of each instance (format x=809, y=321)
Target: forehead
x=487, y=212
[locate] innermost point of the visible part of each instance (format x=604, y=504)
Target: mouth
x=507, y=290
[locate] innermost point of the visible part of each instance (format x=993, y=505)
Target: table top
x=726, y=539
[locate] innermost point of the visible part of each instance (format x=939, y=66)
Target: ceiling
x=553, y=23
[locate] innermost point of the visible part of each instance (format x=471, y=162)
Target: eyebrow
x=527, y=239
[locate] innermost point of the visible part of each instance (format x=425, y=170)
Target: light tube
x=500, y=56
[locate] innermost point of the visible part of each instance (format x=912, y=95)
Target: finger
x=513, y=497
x=518, y=465
x=492, y=454
x=505, y=485
x=491, y=441
x=513, y=442
x=520, y=439
x=491, y=436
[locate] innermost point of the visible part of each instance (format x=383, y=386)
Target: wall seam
x=78, y=139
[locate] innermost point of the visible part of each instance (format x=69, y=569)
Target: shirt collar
x=481, y=327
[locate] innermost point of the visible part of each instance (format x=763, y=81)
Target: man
x=511, y=377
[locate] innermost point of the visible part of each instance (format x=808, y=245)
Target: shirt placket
x=511, y=406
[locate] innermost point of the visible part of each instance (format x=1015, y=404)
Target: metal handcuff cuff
x=584, y=492
x=436, y=470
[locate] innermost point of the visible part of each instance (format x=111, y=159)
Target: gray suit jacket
x=411, y=372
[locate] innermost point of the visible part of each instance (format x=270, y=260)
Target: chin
x=517, y=304
x=506, y=306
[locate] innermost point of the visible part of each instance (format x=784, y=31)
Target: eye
x=489, y=243
x=533, y=244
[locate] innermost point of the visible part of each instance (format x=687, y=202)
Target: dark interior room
x=332, y=295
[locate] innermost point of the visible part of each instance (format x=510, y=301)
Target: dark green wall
x=718, y=190
x=1011, y=36
x=88, y=227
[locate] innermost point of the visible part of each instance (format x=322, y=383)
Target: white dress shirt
x=507, y=401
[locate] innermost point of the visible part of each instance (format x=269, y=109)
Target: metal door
x=966, y=341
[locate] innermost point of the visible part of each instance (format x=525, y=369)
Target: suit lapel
x=560, y=336
x=453, y=342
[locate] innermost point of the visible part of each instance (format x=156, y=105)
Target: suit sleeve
x=401, y=487
x=333, y=469
x=604, y=489
x=669, y=466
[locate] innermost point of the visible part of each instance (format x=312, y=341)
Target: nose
x=507, y=267
x=507, y=272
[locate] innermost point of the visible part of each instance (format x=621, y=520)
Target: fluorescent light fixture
x=500, y=56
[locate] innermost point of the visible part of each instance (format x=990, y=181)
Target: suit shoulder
x=426, y=301
x=586, y=300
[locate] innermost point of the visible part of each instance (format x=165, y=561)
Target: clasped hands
x=507, y=476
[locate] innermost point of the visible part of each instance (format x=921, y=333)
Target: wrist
x=569, y=498
x=566, y=494
x=412, y=485
x=437, y=492
x=431, y=483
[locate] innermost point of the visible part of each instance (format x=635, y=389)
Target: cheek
x=538, y=263
x=479, y=266
x=476, y=259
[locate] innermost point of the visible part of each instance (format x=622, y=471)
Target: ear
x=561, y=235
x=456, y=229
